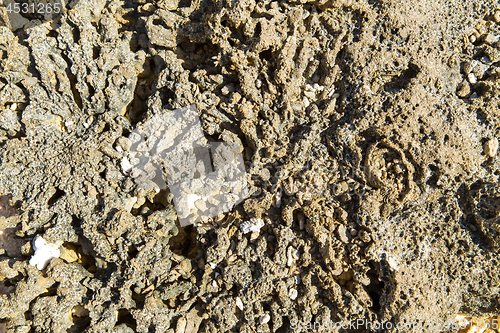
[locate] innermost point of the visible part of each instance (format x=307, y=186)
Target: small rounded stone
x=496, y=16
x=491, y=147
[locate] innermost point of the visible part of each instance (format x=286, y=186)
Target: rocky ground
x=370, y=133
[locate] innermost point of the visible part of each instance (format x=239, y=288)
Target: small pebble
x=129, y=203
x=490, y=38
x=124, y=143
x=342, y=214
x=472, y=78
x=239, y=303
x=364, y=236
x=125, y=164
x=181, y=325
x=496, y=17
x=306, y=102
x=469, y=67
x=318, y=87
x=293, y=254
x=310, y=94
x=254, y=236
x=491, y=147
x=228, y=89
x=463, y=89
x=342, y=233
x=293, y=294
x=148, y=8
x=265, y=319
x=486, y=60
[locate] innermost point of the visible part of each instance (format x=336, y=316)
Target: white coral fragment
x=253, y=225
x=239, y=303
x=44, y=252
x=126, y=166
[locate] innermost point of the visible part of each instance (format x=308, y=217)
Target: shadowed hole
x=56, y=196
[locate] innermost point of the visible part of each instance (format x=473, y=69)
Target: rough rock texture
x=369, y=130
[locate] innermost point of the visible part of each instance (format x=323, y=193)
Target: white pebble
x=13, y=106
x=214, y=284
x=264, y=319
x=293, y=294
x=125, y=164
x=472, y=78
x=317, y=87
x=306, y=102
x=68, y=123
x=44, y=252
x=85, y=125
x=310, y=94
x=119, y=149
x=239, y=303
x=298, y=280
x=129, y=203
x=292, y=254
x=213, y=265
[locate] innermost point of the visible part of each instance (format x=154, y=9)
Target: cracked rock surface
x=370, y=133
